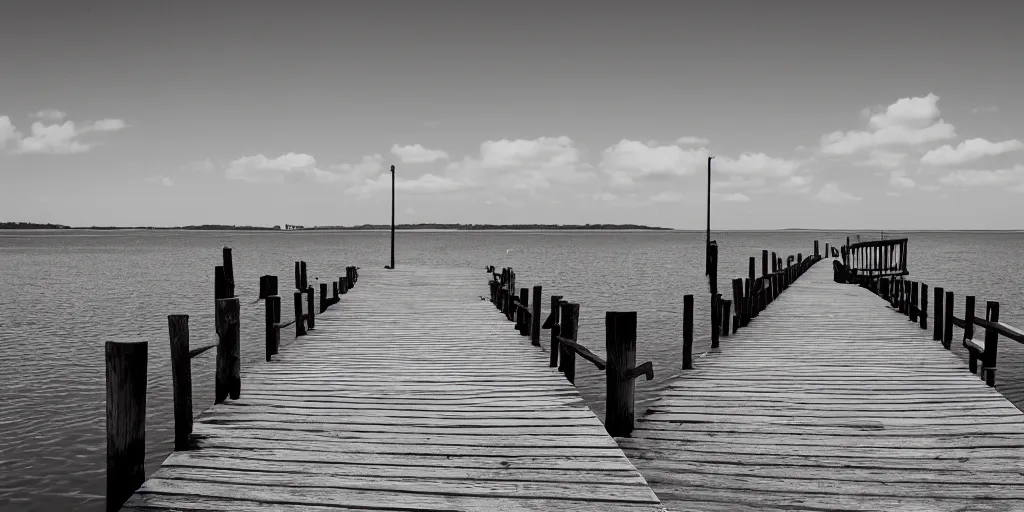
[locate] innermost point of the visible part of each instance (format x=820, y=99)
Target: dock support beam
x=620, y=344
x=126, y=420
x=181, y=379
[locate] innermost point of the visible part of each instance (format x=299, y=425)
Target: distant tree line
x=223, y=227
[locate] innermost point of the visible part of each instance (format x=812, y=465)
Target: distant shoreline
x=363, y=227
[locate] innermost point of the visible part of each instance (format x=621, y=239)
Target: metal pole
x=392, y=216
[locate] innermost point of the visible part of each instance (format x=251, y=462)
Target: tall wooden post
x=716, y=323
x=298, y=276
x=764, y=262
x=570, y=316
x=620, y=344
x=972, y=363
x=302, y=268
x=707, y=241
x=751, y=292
x=220, y=291
x=323, y=297
x=556, y=301
x=181, y=379
x=988, y=367
x=229, y=364
x=737, y=298
x=913, y=301
x=310, y=316
x=535, y=318
x=229, y=272
x=923, y=310
x=273, y=334
x=300, y=323
x=126, y=420
x=688, y=332
x=726, y=315
x=938, y=320
x=334, y=292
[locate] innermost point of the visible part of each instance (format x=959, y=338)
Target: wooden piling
x=342, y=286
x=300, y=324
x=726, y=315
x=688, y=331
x=535, y=318
x=271, y=285
x=737, y=297
x=298, y=276
x=972, y=362
x=988, y=368
x=323, y=297
x=923, y=310
x=556, y=301
x=764, y=262
x=220, y=291
x=947, y=322
x=521, y=313
x=126, y=419
x=229, y=364
x=334, y=292
x=273, y=333
x=937, y=313
x=620, y=344
x=181, y=379
x=303, y=281
x=310, y=316
x=569, y=322
x=913, y=308
x=816, y=253
x=775, y=263
x=715, y=322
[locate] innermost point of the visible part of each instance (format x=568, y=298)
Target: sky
x=821, y=115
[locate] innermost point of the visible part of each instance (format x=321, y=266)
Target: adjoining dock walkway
x=829, y=400
x=412, y=394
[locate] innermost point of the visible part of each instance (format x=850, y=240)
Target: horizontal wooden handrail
x=1003, y=329
x=199, y=350
x=282, y=325
x=646, y=369
x=959, y=322
x=583, y=352
x=879, y=243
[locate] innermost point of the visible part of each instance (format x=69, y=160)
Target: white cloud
x=755, y=164
x=7, y=132
x=900, y=179
x=368, y=168
x=798, y=184
x=522, y=164
x=884, y=159
x=62, y=138
x=969, y=150
x=425, y=184
x=735, y=197
x=50, y=114
x=830, y=193
x=978, y=178
x=289, y=166
x=417, y=154
x=908, y=122
x=629, y=160
x=737, y=181
x=692, y=141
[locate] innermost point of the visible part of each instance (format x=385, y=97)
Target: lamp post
x=392, y=217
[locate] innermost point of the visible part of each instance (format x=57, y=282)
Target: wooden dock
x=829, y=400
x=412, y=394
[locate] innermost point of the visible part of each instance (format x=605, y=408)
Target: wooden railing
x=750, y=296
x=126, y=369
x=911, y=299
x=876, y=258
x=620, y=369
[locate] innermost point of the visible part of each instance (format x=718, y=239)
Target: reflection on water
x=63, y=295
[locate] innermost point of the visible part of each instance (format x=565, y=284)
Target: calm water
x=62, y=296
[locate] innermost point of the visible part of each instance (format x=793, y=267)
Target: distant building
x=292, y=226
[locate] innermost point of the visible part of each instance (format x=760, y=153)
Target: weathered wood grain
x=401, y=403
x=830, y=400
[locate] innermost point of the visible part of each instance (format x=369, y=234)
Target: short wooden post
x=775, y=266
x=570, y=316
x=310, y=316
x=715, y=322
x=181, y=379
x=302, y=268
x=816, y=253
x=556, y=301
x=923, y=310
x=229, y=364
x=263, y=288
x=342, y=285
x=937, y=313
x=764, y=262
x=298, y=276
x=913, y=301
x=726, y=315
x=229, y=272
x=300, y=324
x=535, y=318
x=947, y=322
x=687, y=332
x=334, y=292
x=271, y=285
x=751, y=298
x=273, y=334
x=749, y=312
x=323, y=297
x=972, y=362
x=620, y=344
x=988, y=368
x=220, y=291
x=126, y=419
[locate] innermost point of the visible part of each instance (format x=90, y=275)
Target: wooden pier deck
x=412, y=394
x=831, y=401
